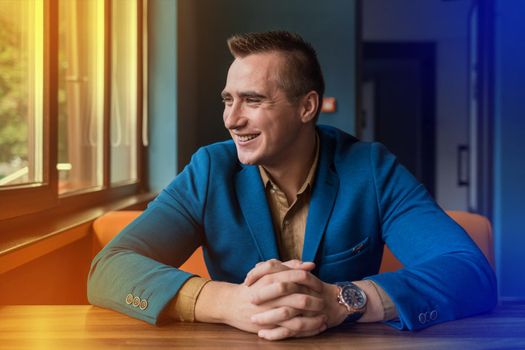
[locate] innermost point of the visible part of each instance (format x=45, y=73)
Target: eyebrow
x=252, y=94
x=245, y=94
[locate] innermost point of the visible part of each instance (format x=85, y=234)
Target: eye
x=253, y=100
x=227, y=101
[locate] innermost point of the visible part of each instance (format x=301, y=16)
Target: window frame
x=26, y=199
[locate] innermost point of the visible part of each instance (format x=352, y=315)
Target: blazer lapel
x=254, y=206
x=323, y=197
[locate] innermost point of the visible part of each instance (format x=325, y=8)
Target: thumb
x=300, y=265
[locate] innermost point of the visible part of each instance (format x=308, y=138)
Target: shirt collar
x=267, y=181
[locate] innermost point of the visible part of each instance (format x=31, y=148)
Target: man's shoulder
x=222, y=149
x=328, y=131
x=342, y=144
x=222, y=154
x=347, y=153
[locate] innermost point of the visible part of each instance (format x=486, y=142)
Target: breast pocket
x=355, y=251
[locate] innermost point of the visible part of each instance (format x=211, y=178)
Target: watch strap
x=355, y=315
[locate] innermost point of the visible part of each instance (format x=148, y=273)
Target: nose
x=233, y=118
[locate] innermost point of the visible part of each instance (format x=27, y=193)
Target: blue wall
x=509, y=176
x=162, y=62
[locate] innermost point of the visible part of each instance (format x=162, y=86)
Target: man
x=293, y=219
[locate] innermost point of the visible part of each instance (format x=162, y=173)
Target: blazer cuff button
x=143, y=304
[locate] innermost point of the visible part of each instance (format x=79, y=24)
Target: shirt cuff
x=389, y=308
x=182, y=307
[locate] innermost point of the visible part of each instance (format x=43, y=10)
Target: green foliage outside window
x=13, y=98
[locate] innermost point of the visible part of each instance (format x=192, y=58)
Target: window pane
x=21, y=88
x=81, y=94
x=124, y=60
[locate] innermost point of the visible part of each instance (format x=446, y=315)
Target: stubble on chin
x=245, y=160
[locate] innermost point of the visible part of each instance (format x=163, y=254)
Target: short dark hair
x=302, y=72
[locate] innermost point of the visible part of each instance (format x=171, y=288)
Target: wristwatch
x=353, y=298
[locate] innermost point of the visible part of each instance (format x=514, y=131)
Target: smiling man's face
x=263, y=123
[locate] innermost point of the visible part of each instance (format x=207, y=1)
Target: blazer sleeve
x=142, y=259
x=445, y=276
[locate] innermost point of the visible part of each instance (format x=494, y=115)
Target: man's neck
x=292, y=173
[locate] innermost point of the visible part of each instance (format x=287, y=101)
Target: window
x=21, y=86
x=71, y=102
x=124, y=75
x=80, y=94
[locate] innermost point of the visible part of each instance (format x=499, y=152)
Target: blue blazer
x=362, y=198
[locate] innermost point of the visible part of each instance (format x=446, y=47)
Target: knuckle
x=295, y=262
x=287, y=332
x=303, y=301
x=319, y=321
x=301, y=289
x=273, y=262
x=281, y=287
x=268, y=279
x=301, y=275
x=254, y=297
x=265, y=265
x=301, y=325
x=268, y=266
x=316, y=306
x=286, y=313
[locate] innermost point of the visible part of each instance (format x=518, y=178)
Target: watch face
x=354, y=297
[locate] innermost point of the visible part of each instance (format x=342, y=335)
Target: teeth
x=245, y=138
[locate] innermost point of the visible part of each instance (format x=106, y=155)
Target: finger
x=290, y=318
x=275, y=316
x=277, y=290
x=313, y=332
x=279, y=333
x=299, y=301
x=272, y=266
x=304, y=324
x=293, y=263
x=301, y=277
x=264, y=268
x=298, y=264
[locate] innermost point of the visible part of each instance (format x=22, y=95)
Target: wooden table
x=89, y=327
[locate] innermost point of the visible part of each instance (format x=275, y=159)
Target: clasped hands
x=284, y=299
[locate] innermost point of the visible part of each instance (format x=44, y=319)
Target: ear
x=309, y=104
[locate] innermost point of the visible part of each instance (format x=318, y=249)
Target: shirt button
x=433, y=315
x=136, y=301
x=422, y=318
x=129, y=299
x=286, y=222
x=143, y=304
x=272, y=190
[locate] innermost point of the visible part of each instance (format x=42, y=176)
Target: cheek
x=279, y=126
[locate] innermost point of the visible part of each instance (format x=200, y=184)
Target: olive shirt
x=289, y=221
